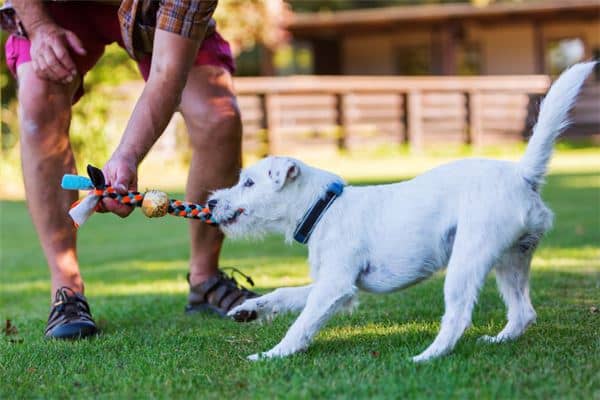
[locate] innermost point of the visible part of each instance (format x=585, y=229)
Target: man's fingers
x=124, y=182
x=64, y=58
x=112, y=205
x=75, y=43
x=40, y=68
x=120, y=188
x=35, y=66
x=56, y=71
x=108, y=176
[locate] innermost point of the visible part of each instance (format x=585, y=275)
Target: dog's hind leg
x=268, y=306
x=473, y=255
x=325, y=299
x=512, y=275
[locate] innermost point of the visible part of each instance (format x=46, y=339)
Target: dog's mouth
x=232, y=219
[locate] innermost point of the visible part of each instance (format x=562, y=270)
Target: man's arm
x=50, y=43
x=172, y=58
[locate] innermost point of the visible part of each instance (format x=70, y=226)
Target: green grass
x=135, y=276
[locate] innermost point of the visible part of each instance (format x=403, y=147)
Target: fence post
x=340, y=121
x=265, y=141
x=272, y=119
x=403, y=100
x=474, y=118
x=414, y=119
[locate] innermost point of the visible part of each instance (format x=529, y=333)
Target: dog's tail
x=553, y=119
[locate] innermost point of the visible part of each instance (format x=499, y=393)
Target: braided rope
x=176, y=208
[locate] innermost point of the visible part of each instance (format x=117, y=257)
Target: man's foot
x=70, y=317
x=218, y=294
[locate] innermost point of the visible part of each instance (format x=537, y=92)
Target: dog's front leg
x=324, y=300
x=268, y=306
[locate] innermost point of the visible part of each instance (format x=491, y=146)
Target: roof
x=390, y=16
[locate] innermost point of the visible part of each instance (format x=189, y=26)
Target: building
x=534, y=37
x=426, y=74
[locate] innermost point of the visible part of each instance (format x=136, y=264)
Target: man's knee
x=44, y=109
x=218, y=121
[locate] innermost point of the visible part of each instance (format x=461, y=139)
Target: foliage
x=8, y=90
x=247, y=22
x=148, y=348
x=88, y=138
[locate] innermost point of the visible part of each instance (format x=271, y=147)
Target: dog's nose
x=211, y=204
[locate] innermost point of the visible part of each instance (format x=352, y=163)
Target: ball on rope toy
x=155, y=204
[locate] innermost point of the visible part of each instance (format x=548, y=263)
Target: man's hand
x=50, y=47
x=120, y=172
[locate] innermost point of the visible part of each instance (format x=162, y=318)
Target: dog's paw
x=493, y=339
x=278, y=351
x=429, y=354
x=253, y=309
x=263, y=356
x=242, y=315
x=245, y=312
x=421, y=358
x=255, y=357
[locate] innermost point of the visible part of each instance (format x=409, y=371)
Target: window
x=563, y=53
x=413, y=60
x=468, y=59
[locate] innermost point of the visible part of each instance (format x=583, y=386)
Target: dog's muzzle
x=211, y=204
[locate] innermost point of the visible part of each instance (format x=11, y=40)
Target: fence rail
x=281, y=113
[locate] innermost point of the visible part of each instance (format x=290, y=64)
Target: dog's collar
x=313, y=215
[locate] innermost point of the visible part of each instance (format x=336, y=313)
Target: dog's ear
x=282, y=171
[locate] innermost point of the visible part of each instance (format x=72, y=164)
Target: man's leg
x=212, y=118
x=45, y=116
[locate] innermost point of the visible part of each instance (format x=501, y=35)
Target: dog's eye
x=248, y=182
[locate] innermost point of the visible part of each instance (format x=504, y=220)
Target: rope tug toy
x=154, y=203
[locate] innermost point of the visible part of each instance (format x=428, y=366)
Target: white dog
x=470, y=215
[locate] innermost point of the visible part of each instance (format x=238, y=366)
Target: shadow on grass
x=152, y=256
x=409, y=318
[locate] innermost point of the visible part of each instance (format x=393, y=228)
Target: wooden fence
x=282, y=113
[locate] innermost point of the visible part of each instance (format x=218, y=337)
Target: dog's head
x=270, y=196
x=261, y=200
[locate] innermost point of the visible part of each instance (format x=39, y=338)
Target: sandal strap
x=231, y=299
x=218, y=295
x=220, y=291
x=203, y=289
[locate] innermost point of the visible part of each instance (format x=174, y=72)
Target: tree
x=244, y=23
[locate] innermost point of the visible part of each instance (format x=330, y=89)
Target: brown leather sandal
x=218, y=294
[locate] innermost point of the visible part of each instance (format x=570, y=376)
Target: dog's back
x=427, y=210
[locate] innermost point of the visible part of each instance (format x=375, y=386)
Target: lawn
x=135, y=278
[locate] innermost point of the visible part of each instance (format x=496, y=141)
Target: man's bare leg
x=213, y=121
x=45, y=116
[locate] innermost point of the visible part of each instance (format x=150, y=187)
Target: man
x=187, y=67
